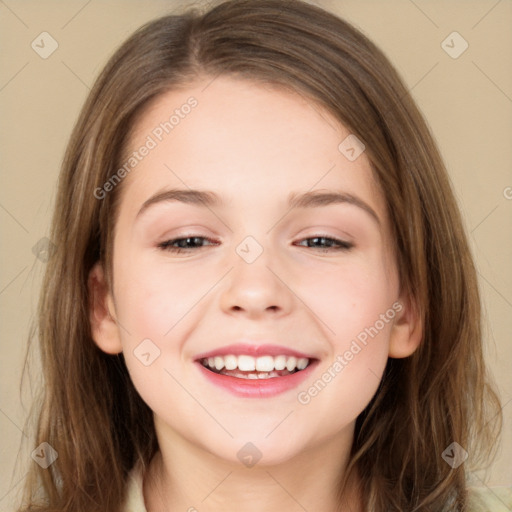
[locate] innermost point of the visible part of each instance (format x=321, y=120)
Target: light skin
x=252, y=145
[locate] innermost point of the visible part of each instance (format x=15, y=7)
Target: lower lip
x=257, y=388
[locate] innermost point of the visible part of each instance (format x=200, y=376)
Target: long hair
x=90, y=412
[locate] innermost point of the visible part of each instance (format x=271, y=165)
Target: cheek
x=155, y=305
x=353, y=315
x=354, y=305
x=349, y=298
x=154, y=299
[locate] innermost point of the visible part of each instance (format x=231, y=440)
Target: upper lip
x=238, y=349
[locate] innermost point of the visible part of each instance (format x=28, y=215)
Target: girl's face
x=248, y=236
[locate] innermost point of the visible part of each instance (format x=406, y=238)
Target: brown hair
x=90, y=411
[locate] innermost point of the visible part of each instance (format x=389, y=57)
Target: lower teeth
x=254, y=375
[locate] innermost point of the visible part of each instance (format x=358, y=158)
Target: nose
x=256, y=290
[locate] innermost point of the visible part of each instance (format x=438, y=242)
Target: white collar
x=134, y=497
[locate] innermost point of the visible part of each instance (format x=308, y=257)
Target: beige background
x=467, y=101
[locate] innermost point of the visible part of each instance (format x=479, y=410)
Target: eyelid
x=166, y=243
x=336, y=246
x=341, y=244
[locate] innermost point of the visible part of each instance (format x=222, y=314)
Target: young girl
x=262, y=296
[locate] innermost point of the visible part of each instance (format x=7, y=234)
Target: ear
x=407, y=331
x=104, y=329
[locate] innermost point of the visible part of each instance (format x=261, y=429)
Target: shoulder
x=134, y=497
x=489, y=499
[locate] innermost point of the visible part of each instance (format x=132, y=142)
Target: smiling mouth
x=248, y=367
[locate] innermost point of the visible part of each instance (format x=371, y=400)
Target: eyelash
x=336, y=245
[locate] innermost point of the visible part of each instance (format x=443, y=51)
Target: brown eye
x=186, y=243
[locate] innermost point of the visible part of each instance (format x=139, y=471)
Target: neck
x=184, y=477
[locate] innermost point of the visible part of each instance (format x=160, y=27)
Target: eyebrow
x=310, y=199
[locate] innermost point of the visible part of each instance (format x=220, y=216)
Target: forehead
x=244, y=140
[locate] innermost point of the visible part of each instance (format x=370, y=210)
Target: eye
x=191, y=243
x=186, y=244
x=325, y=243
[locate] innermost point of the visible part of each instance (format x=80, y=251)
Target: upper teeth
x=261, y=364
